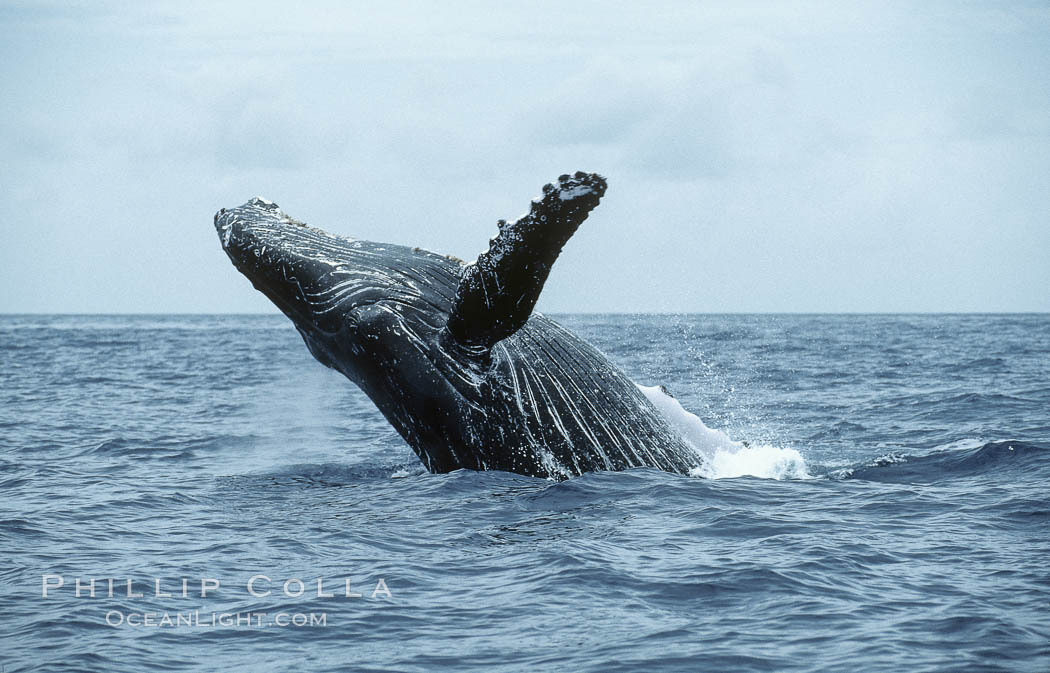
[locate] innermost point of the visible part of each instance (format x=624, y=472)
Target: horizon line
x=590, y=313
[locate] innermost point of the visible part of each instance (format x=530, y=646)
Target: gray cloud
x=762, y=156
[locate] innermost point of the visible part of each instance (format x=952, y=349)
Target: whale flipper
x=499, y=290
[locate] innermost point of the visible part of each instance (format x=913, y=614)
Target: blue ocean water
x=211, y=449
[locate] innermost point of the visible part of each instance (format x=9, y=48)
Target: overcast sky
x=781, y=156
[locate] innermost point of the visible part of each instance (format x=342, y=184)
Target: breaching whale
x=452, y=354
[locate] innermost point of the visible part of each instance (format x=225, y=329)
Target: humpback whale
x=453, y=354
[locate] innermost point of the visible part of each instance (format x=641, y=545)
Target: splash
x=722, y=457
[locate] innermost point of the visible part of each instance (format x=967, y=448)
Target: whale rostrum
x=453, y=354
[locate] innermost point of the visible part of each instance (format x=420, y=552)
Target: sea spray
x=721, y=456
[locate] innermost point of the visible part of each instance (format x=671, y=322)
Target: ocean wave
x=952, y=462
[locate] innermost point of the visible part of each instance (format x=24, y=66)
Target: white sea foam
x=721, y=456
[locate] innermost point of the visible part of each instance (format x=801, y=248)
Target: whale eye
x=370, y=321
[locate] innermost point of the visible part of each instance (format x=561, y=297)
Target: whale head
x=340, y=292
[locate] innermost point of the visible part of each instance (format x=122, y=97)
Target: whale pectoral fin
x=499, y=290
